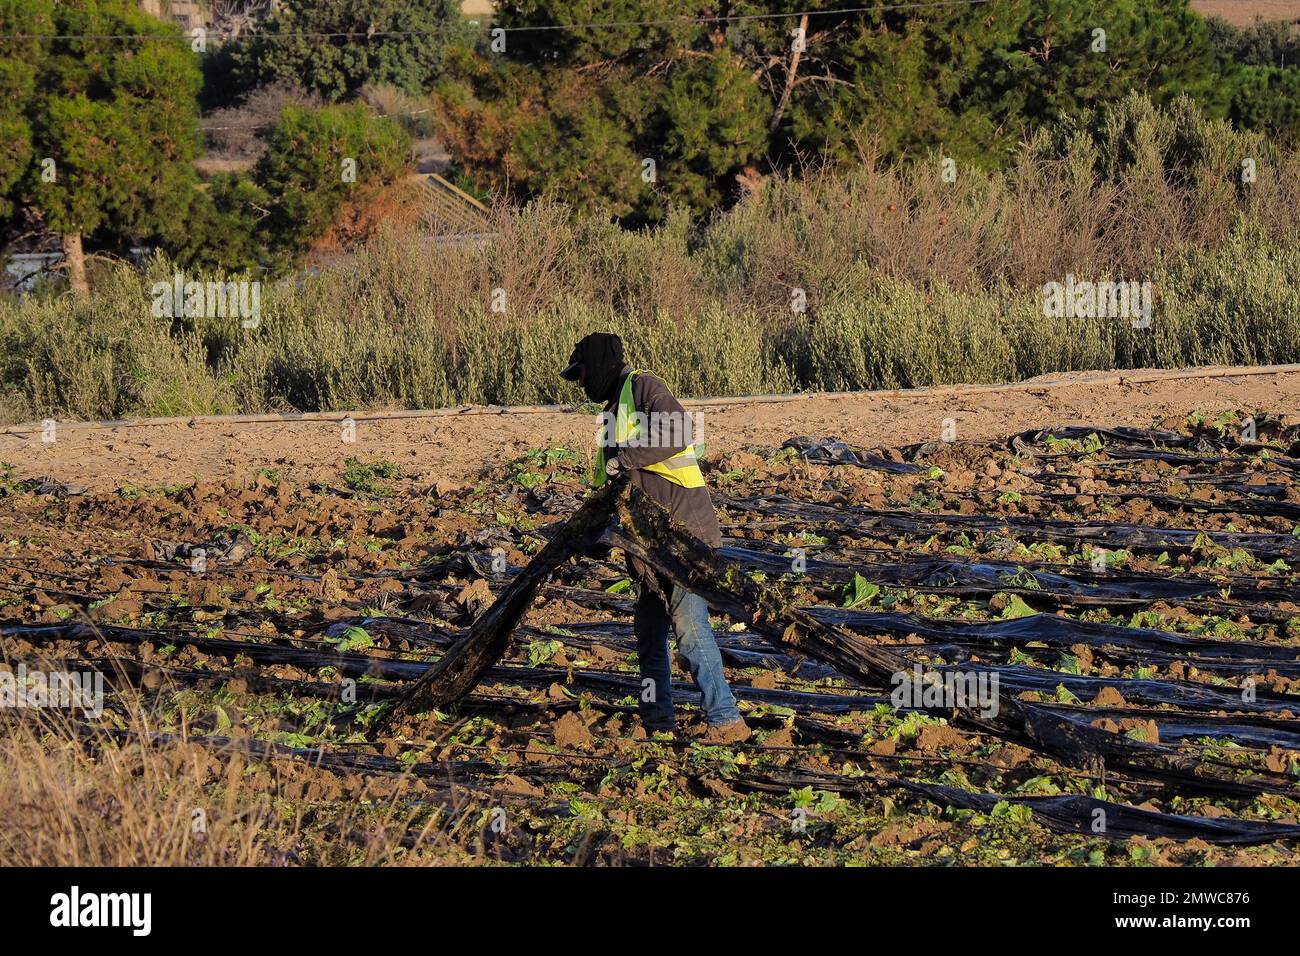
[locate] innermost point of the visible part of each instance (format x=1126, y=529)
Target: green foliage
x=893, y=301
x=340, y=57
x=119, y=119
x=1021, y=578
x=225, y=232
x=367, y=477
x=1135, y=139
x=1263, y=43
x=860, y=592
x=588, y=114
x=1017, y=814
x=374, y=335
x=316, y=159
x=1014, y=607
x=899, y=81
x=1063, y=446
x=303, y=171
x=713, y=122
x=539, y=464
x=1055, y=67
x=663, y=95
x=1267, y=98
x=820, y=802
x=574, y=114
x=1064, y=695
x=18, y=72
x=542, y=652
x=353, y=639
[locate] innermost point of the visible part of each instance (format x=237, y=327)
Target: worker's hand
x=612, y=467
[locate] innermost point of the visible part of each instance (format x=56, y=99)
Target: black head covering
x=598, y=362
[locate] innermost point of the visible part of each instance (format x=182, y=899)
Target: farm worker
x=647, y=434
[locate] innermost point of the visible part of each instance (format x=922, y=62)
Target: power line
x=539, y=28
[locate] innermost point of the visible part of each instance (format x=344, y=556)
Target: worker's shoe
x=658, y=730
x=735, y=732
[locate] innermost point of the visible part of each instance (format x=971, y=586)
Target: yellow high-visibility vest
x=681, y=469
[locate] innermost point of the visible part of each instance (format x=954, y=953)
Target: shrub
x=909, y=281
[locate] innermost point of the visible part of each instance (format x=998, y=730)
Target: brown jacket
x=693, y=507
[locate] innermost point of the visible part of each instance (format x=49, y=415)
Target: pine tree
x=118, y=121
x=631, y=119
x=577, y=112
x=18, y=66
x=335, y=48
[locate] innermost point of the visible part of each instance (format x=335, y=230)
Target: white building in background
x=24, y=269
x=185, y=12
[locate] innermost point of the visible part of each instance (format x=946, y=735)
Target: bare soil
x=258, y=622
x=1243, y=13
x=456, y=447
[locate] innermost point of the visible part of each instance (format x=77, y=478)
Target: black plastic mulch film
x=1191, y=710
x=866, y=646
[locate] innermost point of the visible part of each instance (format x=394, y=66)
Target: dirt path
x=1243, y=13
x=453, y=446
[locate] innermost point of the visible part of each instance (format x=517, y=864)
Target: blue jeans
x=688, y=616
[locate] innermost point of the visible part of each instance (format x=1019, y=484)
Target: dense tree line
x=99, y=128
x=581, y=112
